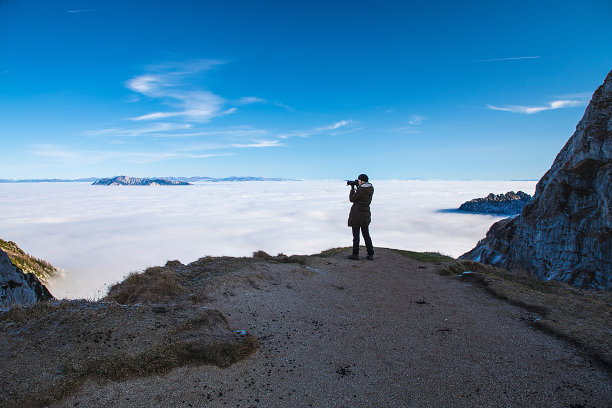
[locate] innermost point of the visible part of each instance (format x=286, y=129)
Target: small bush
x=153, y=285
x=264, y=256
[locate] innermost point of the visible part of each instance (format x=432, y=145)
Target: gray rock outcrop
x=18, y=287
x=509, y=203
x=565, y=232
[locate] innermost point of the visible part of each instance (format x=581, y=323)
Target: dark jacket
x=360, y=210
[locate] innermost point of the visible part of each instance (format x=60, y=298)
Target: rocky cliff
x=133, y=181
x=27, y=263
x=18, y=287
x=509, y=203
x=565, y=233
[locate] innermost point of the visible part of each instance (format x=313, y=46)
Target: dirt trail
x=388, y=333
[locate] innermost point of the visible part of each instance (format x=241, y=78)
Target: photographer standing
x=359, y=218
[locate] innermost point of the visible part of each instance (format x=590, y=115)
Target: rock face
x=565, y=232
x=133, y=181
x=509, y=203
x=18, y=287
x=27, y=263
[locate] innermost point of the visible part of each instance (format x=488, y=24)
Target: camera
x=352, y=183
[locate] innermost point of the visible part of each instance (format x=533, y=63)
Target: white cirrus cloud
x=335, y=125
x=316, y=130
x=344, y=132
x=228, y=133
x=74, y=157
x=407, y=130
x=260, y=143
x=153, y=129
x=529, y=110
x=247, y=100
x=175, y=85
x=415, y=120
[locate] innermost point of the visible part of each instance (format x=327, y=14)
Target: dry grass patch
x=51, y=348
x=282, y=258
x=426, y=256
x=153, y=285
x=580, y=316
x=328, y=253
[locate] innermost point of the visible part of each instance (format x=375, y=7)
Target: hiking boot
x=353, y=257
x=370, y=257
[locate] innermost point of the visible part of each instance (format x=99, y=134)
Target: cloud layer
x=99, y=234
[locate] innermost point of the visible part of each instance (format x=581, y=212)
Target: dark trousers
x=366, y=237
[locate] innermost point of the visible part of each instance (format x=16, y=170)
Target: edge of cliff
x=565, y=233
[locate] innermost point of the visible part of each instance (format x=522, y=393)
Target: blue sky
x=313, y=89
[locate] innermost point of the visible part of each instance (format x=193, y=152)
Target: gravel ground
x=388, y=333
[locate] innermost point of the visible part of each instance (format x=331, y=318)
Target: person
x=360, y=216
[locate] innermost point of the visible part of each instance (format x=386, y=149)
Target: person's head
x=363, y=178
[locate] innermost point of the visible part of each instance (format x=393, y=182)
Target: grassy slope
x=27, y=263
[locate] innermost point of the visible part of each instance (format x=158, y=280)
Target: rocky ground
x=329, y=332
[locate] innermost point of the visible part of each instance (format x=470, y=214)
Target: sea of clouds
x=99, y=234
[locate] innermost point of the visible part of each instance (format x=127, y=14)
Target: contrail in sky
x=81, y=11
x=507, y=59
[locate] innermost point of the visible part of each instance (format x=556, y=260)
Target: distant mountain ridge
x=193, y=179
x=79, y=180
x=231, y=178
x=509, y=203
x=134, y=181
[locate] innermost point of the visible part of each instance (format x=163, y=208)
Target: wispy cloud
x=412, y=129
x=153, y=129
x=529, y=110
x=74, y=157
x=509, y=59
x=344, y=132
x=184, y=108
x=174, y=85
x=333, y=126
x=314, y=131
x=176, y=130
x=260, y=143
x=407, y=130
x=247, y=100
x=415, y=120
